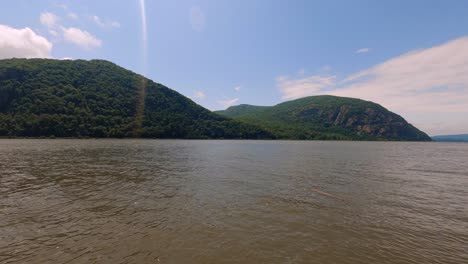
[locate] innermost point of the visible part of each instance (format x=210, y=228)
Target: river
x=195, y=201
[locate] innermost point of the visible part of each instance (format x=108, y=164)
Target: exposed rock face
x=370, y=122
x=352, y=118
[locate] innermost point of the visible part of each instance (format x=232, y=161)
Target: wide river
x=182, y=201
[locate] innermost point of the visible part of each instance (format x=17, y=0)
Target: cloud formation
x=105, y=24
x=53, y=33
x=420, y=84
x=363, y=50
x=81, y=38
x=197, y=19
x=72, y=15
x=23, y=43
x=237, y=88
x=296, y=88
x=48, y=19
x=228, y=102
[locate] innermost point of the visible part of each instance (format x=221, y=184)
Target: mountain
x=328, y=117
x=65, y=98
x=451, y=138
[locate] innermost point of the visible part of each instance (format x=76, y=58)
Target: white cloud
x=363, y=50
x=63, y=6
x=70, y=14
x=67, y=58
x=422, y=80
x=22, y=43
x=81, y=38
x=199, y=95
x=105, y=24
x=426, y=86
x=73, y=16
x=227, y=103
x=295, y=88
x=197, y=19
x=53, y=32
x=48, y=19
x=237, y=88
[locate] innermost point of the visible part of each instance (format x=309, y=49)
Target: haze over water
x=181, y=201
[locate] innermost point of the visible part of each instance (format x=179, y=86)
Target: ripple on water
x=150, y=201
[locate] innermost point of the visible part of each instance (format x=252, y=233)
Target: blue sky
x=409, y=56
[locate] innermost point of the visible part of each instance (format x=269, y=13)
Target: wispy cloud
x=199, y=95
x=363, y=50
x=294, y=88
x=237, y=88
x=420, y=84
x=63, y=6
x=105, y=24
x=51, y=22
x=23, y=43
x=72, y=15
x=48, y=19
x=197, y=19
x=228, y=102
x=53, y=33
x=81, y=38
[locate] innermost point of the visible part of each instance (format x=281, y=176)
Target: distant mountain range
x=78, y=98
x=451, y=138
x=328, y=117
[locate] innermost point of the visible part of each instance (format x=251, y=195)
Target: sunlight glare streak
x=140, y=104
x=144, y=35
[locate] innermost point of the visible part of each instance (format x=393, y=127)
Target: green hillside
x=65, y=98
x=328, y=117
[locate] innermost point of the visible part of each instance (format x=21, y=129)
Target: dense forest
x=65, y=98
x=328, y=117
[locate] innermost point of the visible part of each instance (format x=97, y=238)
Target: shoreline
x=221, y=139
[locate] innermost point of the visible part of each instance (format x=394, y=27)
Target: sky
x=409, y=56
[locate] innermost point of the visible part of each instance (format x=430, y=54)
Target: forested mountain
x=65, y=98
x=328, y=117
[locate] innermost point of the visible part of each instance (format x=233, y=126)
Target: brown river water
x=182, y=201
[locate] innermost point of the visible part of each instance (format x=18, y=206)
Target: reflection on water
x=150, y=201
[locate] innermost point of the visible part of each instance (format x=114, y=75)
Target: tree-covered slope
x=328, y=117
x=65, y=98
x=243, y=110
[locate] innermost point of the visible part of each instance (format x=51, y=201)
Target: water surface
x=170, y=201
